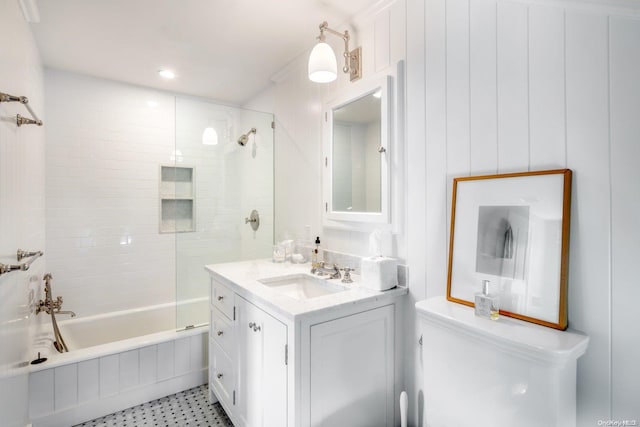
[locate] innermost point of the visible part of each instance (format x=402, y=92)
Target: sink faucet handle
x=336, y=272
x=347, y=275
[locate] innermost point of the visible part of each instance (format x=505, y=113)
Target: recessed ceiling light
x=167, y=74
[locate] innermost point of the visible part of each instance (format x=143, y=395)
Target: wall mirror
x=357, y=155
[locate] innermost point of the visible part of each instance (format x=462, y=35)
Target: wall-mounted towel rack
x=20, y=120
x=20, y=255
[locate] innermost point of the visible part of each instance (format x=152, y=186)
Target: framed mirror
x=357, y=155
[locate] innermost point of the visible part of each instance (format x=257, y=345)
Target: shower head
x=245, y=138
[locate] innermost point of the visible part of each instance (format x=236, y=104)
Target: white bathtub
x=116, y=360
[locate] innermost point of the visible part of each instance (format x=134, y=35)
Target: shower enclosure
x=145, y=188
x=222, y=171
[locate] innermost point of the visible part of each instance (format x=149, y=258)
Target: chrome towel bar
x=20, y=120
x=20, y=255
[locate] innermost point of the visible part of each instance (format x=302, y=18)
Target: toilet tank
x=481, y=372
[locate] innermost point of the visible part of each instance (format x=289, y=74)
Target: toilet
x=479, y=372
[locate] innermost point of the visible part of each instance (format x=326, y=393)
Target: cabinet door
x=352, y=370
x=262, y=372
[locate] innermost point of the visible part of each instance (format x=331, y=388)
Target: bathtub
x=115, y=361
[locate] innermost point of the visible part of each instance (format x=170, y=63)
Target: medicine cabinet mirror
x=357, y=156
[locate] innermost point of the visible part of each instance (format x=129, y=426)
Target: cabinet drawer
x=221, y=375
x=222, y=332
x=222, y=298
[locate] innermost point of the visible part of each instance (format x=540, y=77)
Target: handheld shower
x=245, y=138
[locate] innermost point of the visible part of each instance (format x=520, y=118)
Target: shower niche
x=177, y=199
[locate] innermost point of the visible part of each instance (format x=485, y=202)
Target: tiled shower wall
x=231, y=181
x=105, y=144
x=22, y=152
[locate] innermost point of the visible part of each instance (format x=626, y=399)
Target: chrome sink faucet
x=319, y=269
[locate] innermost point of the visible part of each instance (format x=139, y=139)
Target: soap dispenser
x=316, y=255
x=486, y=303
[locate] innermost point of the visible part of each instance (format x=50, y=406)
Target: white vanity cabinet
x=262, y=371
x=247, y=363
x=351, y=372
x=321, y=362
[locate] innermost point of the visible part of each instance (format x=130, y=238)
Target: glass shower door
x=218, y=182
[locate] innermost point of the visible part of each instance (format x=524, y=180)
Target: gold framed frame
x=513, y=229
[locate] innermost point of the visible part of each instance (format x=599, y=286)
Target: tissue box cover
x=379, y=273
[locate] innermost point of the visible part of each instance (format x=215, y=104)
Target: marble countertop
x=242, y=277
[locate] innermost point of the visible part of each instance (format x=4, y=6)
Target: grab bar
x=20, y=120
x=20, y=255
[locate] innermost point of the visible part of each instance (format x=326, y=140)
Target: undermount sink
x=302, y=286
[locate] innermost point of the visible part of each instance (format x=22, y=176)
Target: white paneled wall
x=297, y=105
x=624, y=69
x=499, y=86
x=84, y=390
x=22, y=151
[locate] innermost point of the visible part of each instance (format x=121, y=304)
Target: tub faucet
x=71, y=313
x=51, y=307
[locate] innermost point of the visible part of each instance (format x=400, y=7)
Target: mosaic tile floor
x=187, y=408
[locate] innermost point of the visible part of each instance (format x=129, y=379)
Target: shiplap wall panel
x=483, y=87
x=382, y=41
x=65, y=386
x=555, y=68
x=415, y=113
x=397, y=32
x=588, y=156
x=546, y=87
x=457, y=62
x=435, y=179
x=458, y=152
x=513, y=87
x=418, y=212
x=625, y=178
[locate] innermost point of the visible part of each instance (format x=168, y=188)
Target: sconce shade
x=323, y=67
x=210, y=136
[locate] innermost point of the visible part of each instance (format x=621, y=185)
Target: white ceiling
x=221, y=49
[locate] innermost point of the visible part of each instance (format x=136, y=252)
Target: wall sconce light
x=323, y=66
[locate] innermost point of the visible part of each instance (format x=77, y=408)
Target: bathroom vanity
x=288, y=348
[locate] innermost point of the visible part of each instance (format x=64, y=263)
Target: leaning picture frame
x=513, y=230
